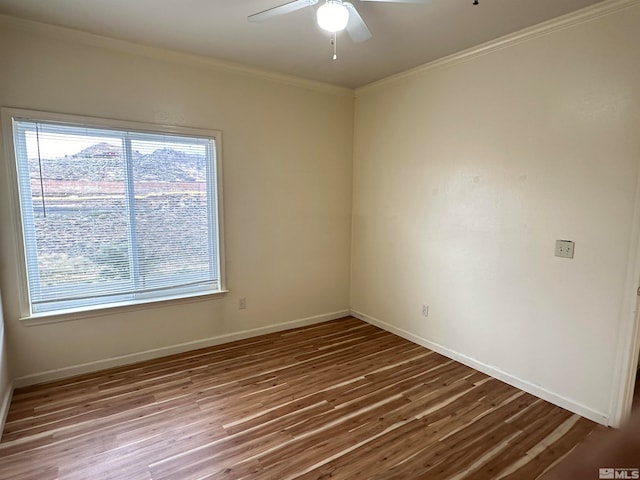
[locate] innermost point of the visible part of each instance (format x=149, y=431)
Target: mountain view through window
x=112, y=216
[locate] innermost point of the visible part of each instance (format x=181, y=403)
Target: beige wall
x=464, y=177
x=287, y=153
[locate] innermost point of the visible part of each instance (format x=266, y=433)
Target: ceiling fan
x=332, y=16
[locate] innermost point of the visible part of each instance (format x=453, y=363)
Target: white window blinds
x=114, y=216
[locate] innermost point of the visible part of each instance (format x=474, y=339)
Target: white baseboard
x=4, y=408
x=540, y=392
x=98, y=365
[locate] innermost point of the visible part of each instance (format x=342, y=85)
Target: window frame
x=8, y=116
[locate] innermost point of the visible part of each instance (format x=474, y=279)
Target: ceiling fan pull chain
x=334, y=42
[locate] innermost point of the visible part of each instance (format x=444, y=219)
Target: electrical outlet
x=564, y=248
x=242, y=303
x=425, y=310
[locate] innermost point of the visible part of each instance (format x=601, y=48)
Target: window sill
x=115, y=308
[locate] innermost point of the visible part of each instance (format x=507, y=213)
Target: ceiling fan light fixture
x=333, y=16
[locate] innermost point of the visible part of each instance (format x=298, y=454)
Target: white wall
x=287, y=153
x=5, y=376
x=466, y=173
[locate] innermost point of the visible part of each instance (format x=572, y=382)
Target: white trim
x=574, y=18
x=490, y=370
x=111, y=123
x=131, y=358
x=157, y=53
x=628, y=341
x=116, y=308
x=583, y=15
x=222, y=262
x=4, y=407
x=9, y=168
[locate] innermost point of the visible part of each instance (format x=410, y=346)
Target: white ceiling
x=404, y=35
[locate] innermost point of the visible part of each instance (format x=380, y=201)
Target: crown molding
x=163, y=54
x=578, y=17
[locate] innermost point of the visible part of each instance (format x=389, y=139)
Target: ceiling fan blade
x=399, y=1
x=356, y=28
x=281, y=10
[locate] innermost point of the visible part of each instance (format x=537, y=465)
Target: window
x=114, y=214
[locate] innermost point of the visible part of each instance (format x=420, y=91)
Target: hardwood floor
x=340, y=400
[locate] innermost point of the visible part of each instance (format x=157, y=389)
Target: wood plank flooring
x=340, y=400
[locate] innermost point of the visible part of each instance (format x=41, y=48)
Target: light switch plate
x=564, y=248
